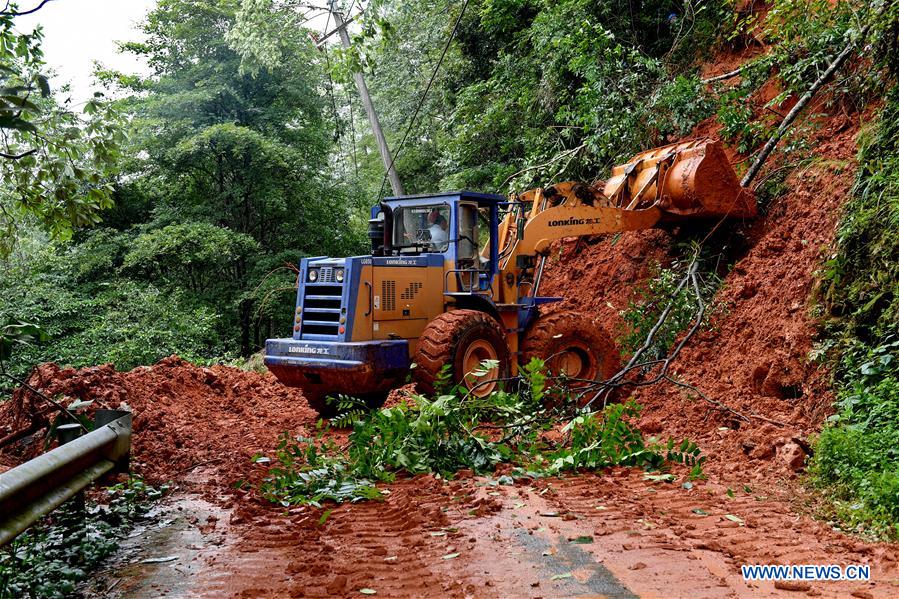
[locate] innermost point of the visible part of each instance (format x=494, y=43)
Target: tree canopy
x=57, y=161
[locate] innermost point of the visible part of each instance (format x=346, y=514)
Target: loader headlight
x=313, y=275
x=338, y=275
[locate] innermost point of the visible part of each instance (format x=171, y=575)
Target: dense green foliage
x=455, y=431
x=669, y=290
x=858, y=452
x=225, y=182
x=52, y=558
x=56, y=163
x=554, y=89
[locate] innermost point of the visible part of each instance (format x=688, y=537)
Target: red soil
x=755, y=358
x=184, y=416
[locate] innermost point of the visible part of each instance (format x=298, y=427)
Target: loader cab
x=455, y=228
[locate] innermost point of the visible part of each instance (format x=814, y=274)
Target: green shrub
x=857, y=453
x=54, y=556
x=737, y=124
x=642, y=313
x=455, y=431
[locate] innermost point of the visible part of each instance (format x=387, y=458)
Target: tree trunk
x=246, y=307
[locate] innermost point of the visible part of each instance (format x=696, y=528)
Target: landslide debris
x=185, y=416
x=755, y=356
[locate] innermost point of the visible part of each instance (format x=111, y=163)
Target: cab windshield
x=421, y=228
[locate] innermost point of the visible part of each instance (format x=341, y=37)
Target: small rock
x=637, y=566
x=748, y=290
x=337, y=586
x=862, y=594
x=792, y=455
x=652, y=427
x=764, y=451
x=792, y=585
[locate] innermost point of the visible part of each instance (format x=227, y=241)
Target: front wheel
x=462, y=340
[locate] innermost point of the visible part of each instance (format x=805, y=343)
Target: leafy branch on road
x=458, y=431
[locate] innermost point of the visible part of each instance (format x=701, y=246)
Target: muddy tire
x=570, y=343
x=462, y=339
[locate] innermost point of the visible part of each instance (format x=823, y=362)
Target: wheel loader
x=453, y=279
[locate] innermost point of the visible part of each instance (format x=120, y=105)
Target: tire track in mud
x=606, y=534
x=718, y=528
x=382, y=545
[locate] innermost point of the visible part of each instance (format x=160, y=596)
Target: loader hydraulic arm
x=576, y=210
x=683, y=181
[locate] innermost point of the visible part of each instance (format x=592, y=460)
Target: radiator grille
x=326, y=275
x=321, y=308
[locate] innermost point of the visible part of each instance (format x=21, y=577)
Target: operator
x=437, y=230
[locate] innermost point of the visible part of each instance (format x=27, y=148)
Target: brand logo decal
x=307, y=349
x=401, y=262
x=574, y=221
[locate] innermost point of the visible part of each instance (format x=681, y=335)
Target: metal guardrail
x=34, y=489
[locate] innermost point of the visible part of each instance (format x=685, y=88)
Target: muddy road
x=612, y=534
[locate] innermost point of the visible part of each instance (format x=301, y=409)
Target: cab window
x=468, y=232
x=421, y=228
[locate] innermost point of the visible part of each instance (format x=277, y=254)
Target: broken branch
x=800, y=105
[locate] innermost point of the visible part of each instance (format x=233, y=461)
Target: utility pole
x=395, y=182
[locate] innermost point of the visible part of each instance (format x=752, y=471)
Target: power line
x=421, y=100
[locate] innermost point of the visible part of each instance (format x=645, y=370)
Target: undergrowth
x=54, y=556
x=457, y=431
x=643, y=312
x=857, y=454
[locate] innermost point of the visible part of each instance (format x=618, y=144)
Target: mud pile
x=755, y=359
x=185, y=417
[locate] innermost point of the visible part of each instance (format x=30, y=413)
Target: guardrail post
x=66, y=433
x=123, y=443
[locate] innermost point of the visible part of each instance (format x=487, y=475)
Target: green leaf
x=583, y=540
x=660, y=478
x=44, y=85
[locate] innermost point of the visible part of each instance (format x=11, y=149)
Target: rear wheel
x=462, y=339
x=573, y=346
